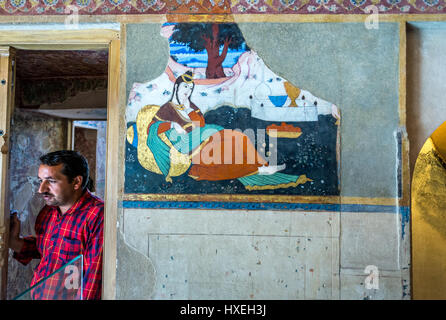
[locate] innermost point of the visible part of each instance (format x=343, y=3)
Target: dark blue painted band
x=265, y=206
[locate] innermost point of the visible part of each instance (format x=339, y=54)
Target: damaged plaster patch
x=135, y=273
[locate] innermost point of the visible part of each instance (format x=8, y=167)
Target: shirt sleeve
x=92, y=279
x=29, y=251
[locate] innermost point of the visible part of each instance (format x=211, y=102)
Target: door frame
x=7, y=89
x=90, y=39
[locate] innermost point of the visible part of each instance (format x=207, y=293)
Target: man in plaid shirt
x=70, y=224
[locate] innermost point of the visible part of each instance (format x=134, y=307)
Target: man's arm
x=24, y=249
x=93, y=256
x=16, y=244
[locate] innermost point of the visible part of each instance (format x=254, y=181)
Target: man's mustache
x=45, y=194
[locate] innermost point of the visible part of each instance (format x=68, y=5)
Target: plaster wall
x=426, y=109
x=234, y=254
x=426, y=112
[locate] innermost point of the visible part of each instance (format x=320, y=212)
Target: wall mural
x=219, y=121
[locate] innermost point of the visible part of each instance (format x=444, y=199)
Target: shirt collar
x=84, y=197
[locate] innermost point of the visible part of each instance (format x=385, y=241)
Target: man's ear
x=78, y=182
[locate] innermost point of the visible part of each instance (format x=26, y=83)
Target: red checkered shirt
x=62, y=237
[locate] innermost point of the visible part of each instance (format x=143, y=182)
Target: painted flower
x=193, y=8
x=18, y=3
x=357, y=3
x=252, y=2
x=116, y=2
x=431, y=3
x=405, y=9
x=393, y=2
x=50, y=3
x=287, y=3
x=134, y=96
x=83, y=3
x=149, y=3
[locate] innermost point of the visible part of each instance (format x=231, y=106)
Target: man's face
x=54, y=186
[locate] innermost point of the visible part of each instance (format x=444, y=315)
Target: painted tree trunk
x=214, y=68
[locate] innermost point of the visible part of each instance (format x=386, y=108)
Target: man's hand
x=15, y=243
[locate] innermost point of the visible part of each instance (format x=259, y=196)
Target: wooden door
x=7, y=78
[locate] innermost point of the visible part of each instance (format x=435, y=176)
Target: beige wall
x=426, y=71
x=191, y=254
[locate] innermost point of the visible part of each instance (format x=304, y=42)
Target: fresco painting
x=219, y=121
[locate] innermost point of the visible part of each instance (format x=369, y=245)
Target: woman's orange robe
x=227, y=154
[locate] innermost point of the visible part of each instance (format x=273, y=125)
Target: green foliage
x=195, y=34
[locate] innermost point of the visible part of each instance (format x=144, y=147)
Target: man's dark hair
x=74, y=164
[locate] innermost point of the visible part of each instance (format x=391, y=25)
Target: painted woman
x=216, y=153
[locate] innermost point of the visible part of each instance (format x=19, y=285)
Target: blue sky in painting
x=184, y=55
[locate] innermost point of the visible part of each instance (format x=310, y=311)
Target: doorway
x=60, y=95
x=56, y=122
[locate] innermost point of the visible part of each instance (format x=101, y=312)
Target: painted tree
x=210, y=37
